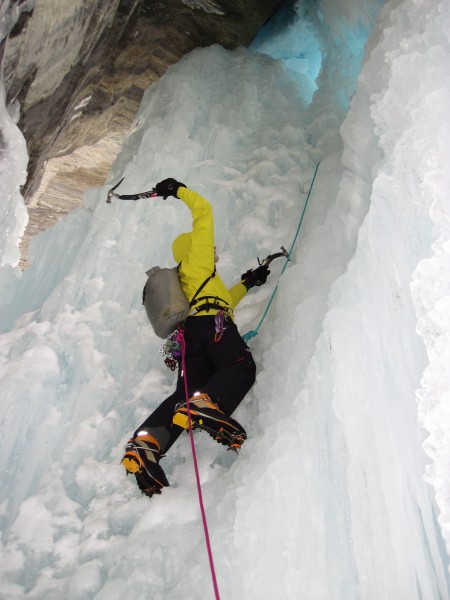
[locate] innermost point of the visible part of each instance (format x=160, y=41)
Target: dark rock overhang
x=79, y=71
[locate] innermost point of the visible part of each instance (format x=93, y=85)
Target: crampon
x=206, y=415
x=141, y=459
x=233, y=441
x=147, y=488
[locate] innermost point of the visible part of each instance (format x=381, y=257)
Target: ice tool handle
x=111, y=194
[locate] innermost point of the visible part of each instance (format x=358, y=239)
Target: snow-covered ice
x=342, y=490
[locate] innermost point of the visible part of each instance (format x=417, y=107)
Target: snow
x=342, y=490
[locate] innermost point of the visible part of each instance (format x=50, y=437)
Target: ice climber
x=219, y=366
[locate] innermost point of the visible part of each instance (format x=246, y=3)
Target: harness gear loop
x=197, y=475
x=219, y=322
x=171, y=349
x=253, y=333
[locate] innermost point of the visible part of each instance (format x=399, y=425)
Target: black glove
x=256, y=276
x=168, y=187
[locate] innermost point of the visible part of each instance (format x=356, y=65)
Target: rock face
x=79, y=69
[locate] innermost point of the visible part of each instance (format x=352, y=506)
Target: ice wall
x=327, y=498
x=13, y=164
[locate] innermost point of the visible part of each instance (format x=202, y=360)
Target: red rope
x=197, y=475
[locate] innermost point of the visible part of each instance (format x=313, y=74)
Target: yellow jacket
x=195, y=254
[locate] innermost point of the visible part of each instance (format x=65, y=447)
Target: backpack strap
x=194, y=300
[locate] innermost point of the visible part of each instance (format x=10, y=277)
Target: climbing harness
x=212, y=302
x=171, y=349
x=251, y=334
x=182, y=343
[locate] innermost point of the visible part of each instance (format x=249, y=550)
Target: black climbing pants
x=224, y=369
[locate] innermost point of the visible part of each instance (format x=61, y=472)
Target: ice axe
x=266, y=261
x=111, y=191
x=151, y=194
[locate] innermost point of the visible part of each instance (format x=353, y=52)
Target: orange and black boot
x=206, y=415
x=141, y=459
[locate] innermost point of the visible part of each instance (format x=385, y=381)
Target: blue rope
x=251, y=334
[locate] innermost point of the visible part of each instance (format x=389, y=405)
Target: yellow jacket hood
x=180, y=246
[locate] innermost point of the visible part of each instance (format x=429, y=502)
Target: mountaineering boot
x=206, y=415
x=141, y=459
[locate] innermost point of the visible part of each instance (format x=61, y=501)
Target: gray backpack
x=164, y=300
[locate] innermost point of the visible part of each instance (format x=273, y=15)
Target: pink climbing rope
x=180, y=338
